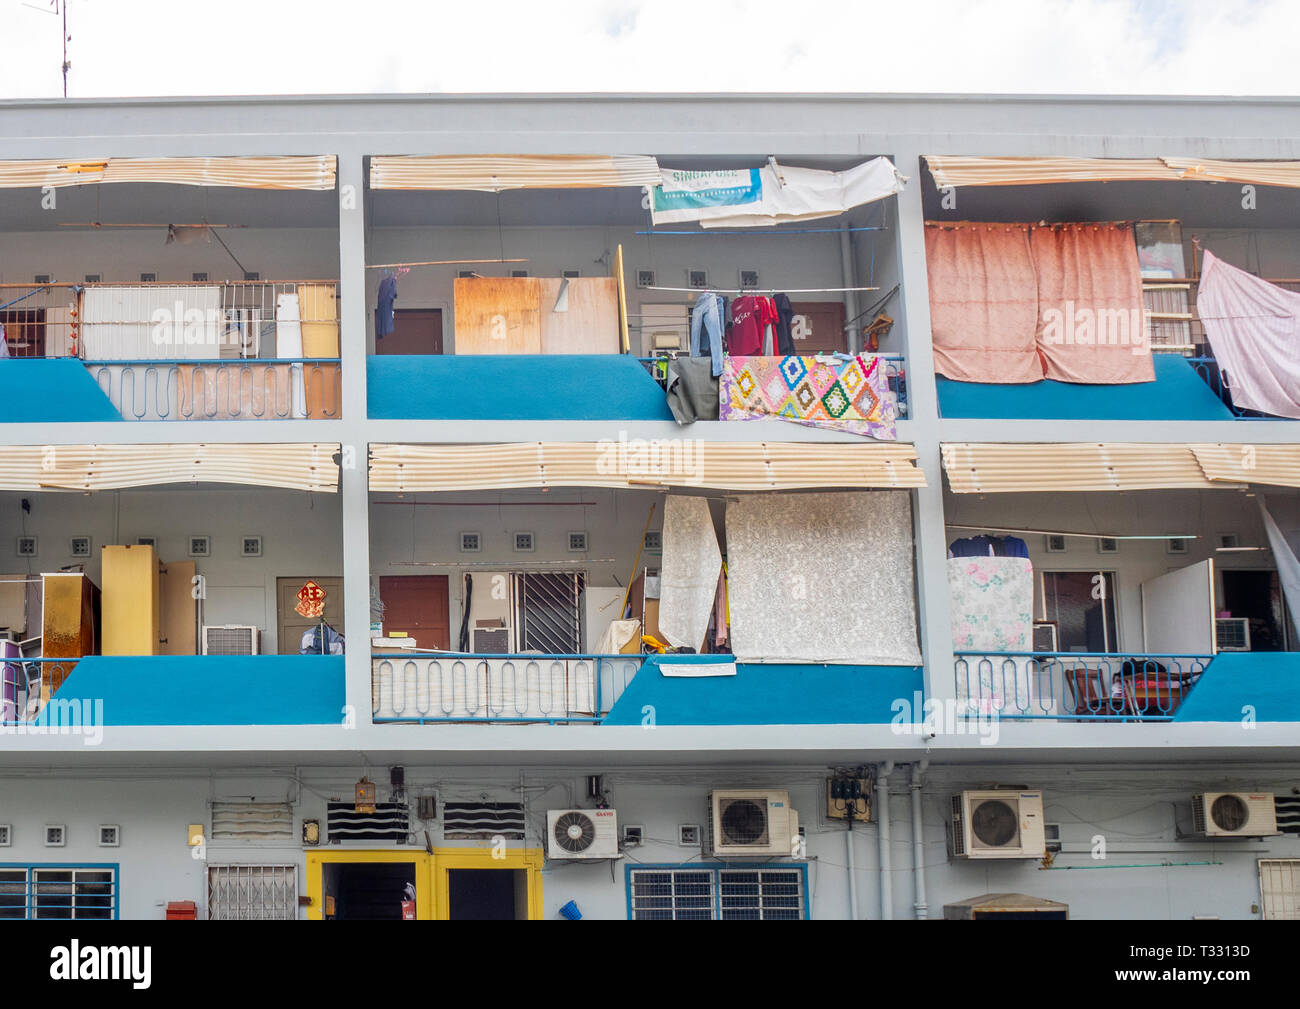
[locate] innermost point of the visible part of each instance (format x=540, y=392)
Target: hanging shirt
x=750, y=316
x=384, y=323
x=784, y=325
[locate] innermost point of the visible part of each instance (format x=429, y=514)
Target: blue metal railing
x=21, y=682
x=1075, y=686
x=225, y=389
x=894, y=375
x=1220, y=384
x=424, y=687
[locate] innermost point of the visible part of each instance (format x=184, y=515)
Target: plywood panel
x=589, y=326
x=130, y=600
x=318, y=309
x=178, y=617
x=498, y=315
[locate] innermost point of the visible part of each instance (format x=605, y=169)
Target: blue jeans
x=706, y=321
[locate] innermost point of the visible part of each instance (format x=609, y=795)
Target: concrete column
x=923, y=413
x=356, y=508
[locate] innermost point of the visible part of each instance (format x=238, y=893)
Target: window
x=1082, y=605
x=252, y=892
x=83, y=893
x=549, y=612
x=706, y=893
x=1279, y=888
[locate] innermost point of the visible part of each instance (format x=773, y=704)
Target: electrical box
x=839, y=808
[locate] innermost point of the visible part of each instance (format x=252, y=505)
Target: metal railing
x=279, y=389
x=27, y=683
x=1075, y=686
x=426, y=687
x=1220, y=384
x=895, y=375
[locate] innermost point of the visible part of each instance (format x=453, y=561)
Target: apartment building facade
x=349, y=475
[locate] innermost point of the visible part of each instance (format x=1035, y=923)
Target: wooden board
x=130, y=600
x=318, y=309
x=179, y=616
x=498, y=315
x=589, y=326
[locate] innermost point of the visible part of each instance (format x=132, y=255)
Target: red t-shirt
x=750, y=315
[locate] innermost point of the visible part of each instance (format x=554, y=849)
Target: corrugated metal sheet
x=963, y=171
x=758, y=466
x=315, y=172
x=1260, y=173
x=997, y=468
x=492, y=173
x=1277, y=465
x=105, y=467
x=145, y=323
x=951, y=170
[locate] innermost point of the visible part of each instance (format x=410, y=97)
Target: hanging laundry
x=1254, y=330
x=991, y=600
x=849, y=394
x=974, y=546
x=784, y=325
x=4, y=343
x=750, y=315
x=384, y=323
x=692, y=390
x=706, y=324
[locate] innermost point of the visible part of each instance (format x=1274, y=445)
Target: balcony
x=1075, y=686
x=228, y=351
x=427, y=687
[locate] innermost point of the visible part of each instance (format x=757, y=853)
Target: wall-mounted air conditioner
x=1001, y=823
x=581, y=833
x=751, y=822
x=1234, y=814
x=1232, y=634
x=231, y=639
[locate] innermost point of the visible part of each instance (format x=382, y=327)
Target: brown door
x=292, y=625
x=415, y=331
x=417, y=605
x=818, y=326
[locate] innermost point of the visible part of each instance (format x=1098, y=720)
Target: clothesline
x=709, y=233
x=761, y=290
x=1058, y=532
x=441, y=262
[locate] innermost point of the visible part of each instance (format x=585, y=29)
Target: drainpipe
x=882, y=835
x=854, y=325
x=852, y=869
x=919, y=907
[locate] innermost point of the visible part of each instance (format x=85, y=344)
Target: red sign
x=311, y=600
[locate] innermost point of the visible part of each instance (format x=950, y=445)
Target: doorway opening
x=366, y=891
x=487, y=894
x=1256, y=596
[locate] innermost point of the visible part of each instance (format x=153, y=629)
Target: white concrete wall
x=1141, y=817
x=301, y=537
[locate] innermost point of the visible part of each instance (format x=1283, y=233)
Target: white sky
x=184, y=47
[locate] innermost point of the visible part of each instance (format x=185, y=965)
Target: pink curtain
x=1090, y=323
x=983, y=302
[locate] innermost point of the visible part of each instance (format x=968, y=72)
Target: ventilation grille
x=252, y=821
x=391, y=821
x=1288, y=814
x=550, y=607
x=958, y=827
x=743, y=821
x=473, y=821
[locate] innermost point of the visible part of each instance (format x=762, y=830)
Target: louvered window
x=81, y=893
x=686, y=893
x=252, y=821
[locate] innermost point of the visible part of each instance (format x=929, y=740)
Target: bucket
x=571, y=912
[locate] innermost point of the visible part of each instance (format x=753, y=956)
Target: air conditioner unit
x=230, y=639
x=1002, y=823
x=751, y=821
x=581, y=833
x=1232, y=634
x=1234, y=814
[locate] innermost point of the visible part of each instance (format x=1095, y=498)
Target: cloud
x=152, y=47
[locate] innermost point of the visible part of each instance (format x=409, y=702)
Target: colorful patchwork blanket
x=842, y=394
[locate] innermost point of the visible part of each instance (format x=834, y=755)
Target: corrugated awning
x=308, y=467
x=951, y=170
x=999, y=468
x=1275, y=465
x=741, y=466
x=492, y=173
x=315, y=172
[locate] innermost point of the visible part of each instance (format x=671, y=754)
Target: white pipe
x=852, y=870
x=920, y=908
x=854, y=325
x=882, y=834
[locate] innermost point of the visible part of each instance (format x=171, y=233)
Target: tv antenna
x=59, y=8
